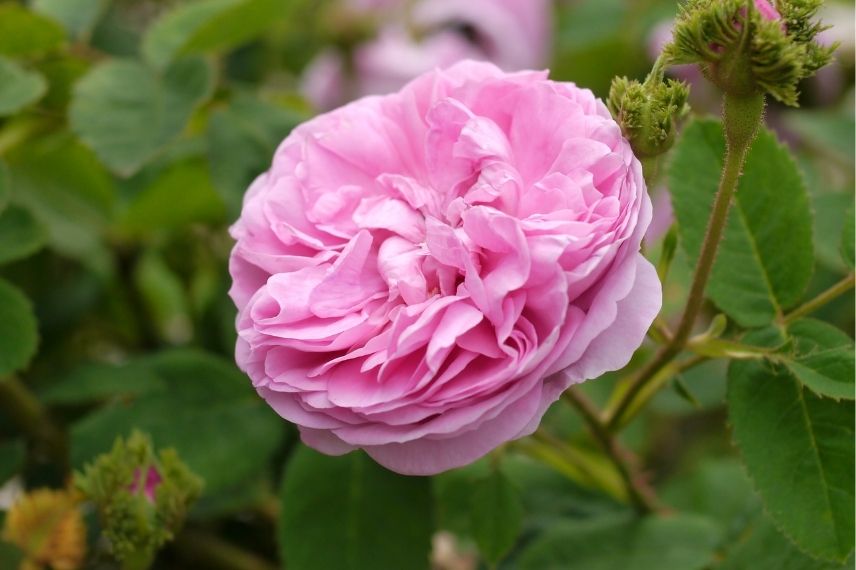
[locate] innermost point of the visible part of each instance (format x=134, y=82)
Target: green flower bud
x=141, y=497
x=647, y=112
x=751, y=47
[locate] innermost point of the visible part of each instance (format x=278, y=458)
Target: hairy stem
x=641, y=495
x=741, y=117
x=822, y=299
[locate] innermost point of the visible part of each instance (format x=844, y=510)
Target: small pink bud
x=153, y=479
x=767, y=10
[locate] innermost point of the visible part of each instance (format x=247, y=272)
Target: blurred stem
x=741, y=117
x=822, y=299
x=640, y=493
x=205, y=550
x=28, y=414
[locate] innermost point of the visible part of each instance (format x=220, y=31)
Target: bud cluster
x=751, y=47
x=142, y=498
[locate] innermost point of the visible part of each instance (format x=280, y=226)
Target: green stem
x=641, y=495
x=822, y=299
x=25, y=410
x=741, y=116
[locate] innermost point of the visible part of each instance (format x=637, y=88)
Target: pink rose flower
x=514, y=34
x=422, y=274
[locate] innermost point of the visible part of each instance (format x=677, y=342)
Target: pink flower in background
x=422, y=274
x=514, y=34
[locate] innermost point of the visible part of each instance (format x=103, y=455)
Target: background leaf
x=847, y=237
x=126, y=113
x=798, y=449
x=78, y=17
x=208, y=25
x=349, y=513
x=20, y=234
x=18, y=329
x=208, y=412
x=18, y=87
x=679, y=542
x=24, y=33
x=496, y=515
x=765, y=259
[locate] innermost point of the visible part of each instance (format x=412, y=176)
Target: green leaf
x=165, y=298
x=241, y=141
x=127, y=113
x=5, y=187
x=78, y=17
x=765, y=548
x=72, y=198
x=18, y=87
x=62, y=74
x=208, y=412
x=18, y=329
x=25, y=33
x=765, y=259
x=496, y=516
x=847, y=238
x=99, y=382
x=208, y=25
x=12, y=455
x=20, y=234
x=349, y=513
x=822, y=358
x=186, y=187
x=679, y=542
x=798, y=450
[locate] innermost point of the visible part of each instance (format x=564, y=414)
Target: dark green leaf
x=77, y=16
x=349, y=513
x=23, y=32
x=241, y=141
x=208, y=25
x=126, y=112
x=765, y=259
x=679, y=542
x=496, y=516
x=847, y=238
x=186, y=187
x=822, y=358
x=5, y=186
x=208, y=413
x=798, y=450
x=18, y=87
x=12, y=454
x=165, y=298
x=72, y=199
x=20, y=234
x=18, y=329
x=94, y=382
x=765, y=548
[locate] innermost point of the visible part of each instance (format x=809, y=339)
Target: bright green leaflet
x=822, y=358
x=765, y=259
x=18, y=329
x=798, y=450
x=127, y=113
x=18, y=87
x=349, y=513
